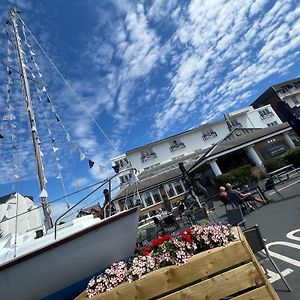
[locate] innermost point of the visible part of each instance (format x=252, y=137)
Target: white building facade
x=194, y=141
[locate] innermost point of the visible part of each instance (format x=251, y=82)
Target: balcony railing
x=209, y=135
x=176, y=146
x=267, y=115
x=148, y=157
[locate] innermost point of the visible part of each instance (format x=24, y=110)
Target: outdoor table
x=286, y=170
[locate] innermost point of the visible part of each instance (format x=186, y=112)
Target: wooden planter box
x=226, y=271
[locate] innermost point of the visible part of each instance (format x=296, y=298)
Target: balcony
x=209, y=135
x=148, y=157
x=267, y=115
x=177, y=146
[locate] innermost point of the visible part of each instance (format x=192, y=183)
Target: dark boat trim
x=67, y=239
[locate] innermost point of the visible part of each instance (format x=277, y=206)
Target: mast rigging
x=34, y=133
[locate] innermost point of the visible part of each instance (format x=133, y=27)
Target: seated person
x=181, y=208
x=223, y=193
x=238, y=198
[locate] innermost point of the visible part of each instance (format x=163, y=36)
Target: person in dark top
x=237, y=197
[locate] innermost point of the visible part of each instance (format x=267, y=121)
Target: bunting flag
x=68, y=137
x=116, y=168
x=55, y=149
x=91, y=163
x=52, y=139
x=48, y=99
x=82, y=156
x=41, y=153
x=44, y=89
x=57, y=118
x=43, y=194
x=1, y=136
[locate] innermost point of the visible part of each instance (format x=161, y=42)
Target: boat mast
x=35, y=139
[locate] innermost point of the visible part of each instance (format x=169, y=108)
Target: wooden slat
x=257, y=265
x=260, y=293
x=220, y=286
x=164, y=280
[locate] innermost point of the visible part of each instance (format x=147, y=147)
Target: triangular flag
x=41, y=153
x=52, y=140
x=59, y=166
x=82, y=156
x=48, y=99
x=57, y=118
x=1, y=136
x=55, y=149
x=58, y=177
x=44, y=89
x=91, y=163
x=43, y=194
x=32, y=53
x=13, y=126
x=68, y=137
x=45, y=180
x=116, y=168
x=33, y=76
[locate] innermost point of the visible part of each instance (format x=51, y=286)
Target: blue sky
x=145, y=70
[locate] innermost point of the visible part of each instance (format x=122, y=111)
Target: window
x=265, y=113
x=295, y=100
x=129, y=202
x=147, y=154
x=178, y=187
x=285, y=89
x=174, y=188
x=125, y=178
x=147, y=198
x=170, y=190
x=297, y=84
x=208, y=133
x=151, y=197
x=272, y=124
x=156, y=196
x=235, y=123
x=176, y=144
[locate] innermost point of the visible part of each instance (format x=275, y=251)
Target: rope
x=70, y=87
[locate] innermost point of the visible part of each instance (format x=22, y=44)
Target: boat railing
x=107, y=194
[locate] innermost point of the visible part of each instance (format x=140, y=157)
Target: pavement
x=279, y=223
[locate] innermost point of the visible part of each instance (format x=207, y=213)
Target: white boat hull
x=53, y=268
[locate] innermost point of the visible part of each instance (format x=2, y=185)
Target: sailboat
x=57, y=260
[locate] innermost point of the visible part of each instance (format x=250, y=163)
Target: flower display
x=164, y=251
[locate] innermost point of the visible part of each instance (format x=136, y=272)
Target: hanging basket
x=232, y=270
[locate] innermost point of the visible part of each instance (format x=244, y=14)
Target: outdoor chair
x=225, y=202
x=159, y=226
x=257, y=244
x=169, y=223
x=188, y=217
x=201, y=214
x=270, y=185
x=235, y=217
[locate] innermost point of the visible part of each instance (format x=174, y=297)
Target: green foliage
x=274, y=163
x=297, y=143
x=240, y=176
x=292, y=157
